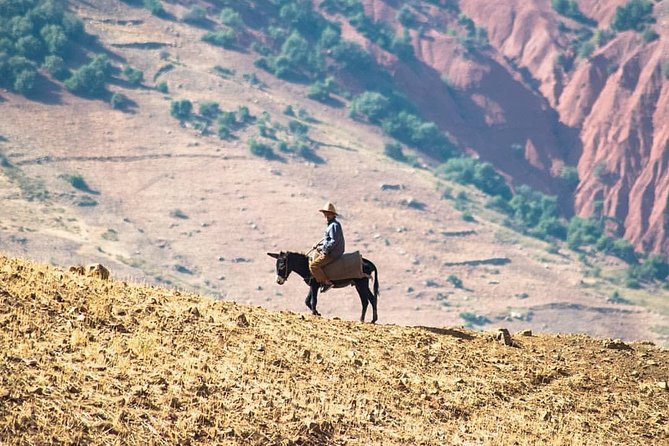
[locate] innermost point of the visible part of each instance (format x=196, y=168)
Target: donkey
x=287, y=262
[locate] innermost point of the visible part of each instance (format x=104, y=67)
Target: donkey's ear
x=273, y=255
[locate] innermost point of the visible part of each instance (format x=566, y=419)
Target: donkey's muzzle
x=280, y=280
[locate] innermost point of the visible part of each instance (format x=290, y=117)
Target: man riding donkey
x=329, y=267
x=330, y=248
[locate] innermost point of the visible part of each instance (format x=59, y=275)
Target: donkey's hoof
x=315, y=313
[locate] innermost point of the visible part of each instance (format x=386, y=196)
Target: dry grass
x=86, y=361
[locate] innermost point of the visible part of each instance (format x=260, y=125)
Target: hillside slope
x=167, y=204
x=87, y=361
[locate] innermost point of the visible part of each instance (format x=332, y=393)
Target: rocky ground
x=91, y=361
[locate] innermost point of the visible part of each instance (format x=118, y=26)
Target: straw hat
x=329, y=207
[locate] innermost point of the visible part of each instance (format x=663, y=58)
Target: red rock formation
x=608, y=114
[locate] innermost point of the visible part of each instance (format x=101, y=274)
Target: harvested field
x=89, y=361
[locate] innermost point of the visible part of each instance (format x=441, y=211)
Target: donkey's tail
x=376, y=278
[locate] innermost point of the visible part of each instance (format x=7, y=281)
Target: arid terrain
x=91, y=361
x=197, y=213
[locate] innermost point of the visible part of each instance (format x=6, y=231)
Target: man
x=330, y=248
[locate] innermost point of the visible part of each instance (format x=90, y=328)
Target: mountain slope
x=97, y=362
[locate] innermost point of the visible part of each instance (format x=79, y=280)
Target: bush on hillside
x=209, y=109
x=134, y=76
x=536, y=214
x=569, y=8
x=261, y=149
x=321, y=90
x=231, y=18
x=56, y=67
x=31, y=32
x=370, y=105
x=196, y=15
x=569, y=174
x=634, y=15
x=90, y=79
x=655, y=267
x=225, y=38
x=394, y=150
x=620, y=248
x=118, y=101
x=181, y=109
x=155, y=7
x=482, y=175
x=582, y=232
x=405, y=16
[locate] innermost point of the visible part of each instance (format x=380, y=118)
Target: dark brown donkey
x=287, y=262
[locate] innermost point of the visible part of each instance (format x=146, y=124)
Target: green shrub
x=650, y=35
x=474, y=319
x=260, y=149
x=55, y=66
x=405, y=16
x=155, y=7
x=162, y=87
x=370, y=105
x=231, y=18
x=634, y=15
x=655, y=267
x=118, y=101
x=620, y=248
x=482, y=175
x=569, y=8
x=536, y=213
x=582, y=232
x=352, y=57
x=90, y=79
x=394, y=150
x=134, y=76
x=55, y=39
x=24, y=81
x=244, y=115
x=569, y=174
x=181, y=109
x=196, y=15
x=78, y=182
x=455, y=281
x=209, y=109
x=297, y=128
x=321, y=90
x=225, y=38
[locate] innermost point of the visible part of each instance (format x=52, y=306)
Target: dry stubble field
x=87, y=361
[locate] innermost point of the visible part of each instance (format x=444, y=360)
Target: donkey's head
x=282, y=269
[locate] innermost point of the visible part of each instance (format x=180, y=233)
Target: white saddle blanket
x=348, y=266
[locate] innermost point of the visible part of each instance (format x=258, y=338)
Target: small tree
x=55, y=66
x=210, y=109
x=181, y=109
x=134, y=76
x=370, y=105
x=394, y=150
x=231, y=18
x=225, y=38
x=634, y=15
x=118, y=101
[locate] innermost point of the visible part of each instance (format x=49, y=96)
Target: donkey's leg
x=312, y=298
x=362, y=288
x=372, y=299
